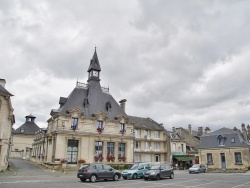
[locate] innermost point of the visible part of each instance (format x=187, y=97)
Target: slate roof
x=97, y=102
x=4, y=91
x=145, y=123
x=211, y=141
x=29, y=127
x=91, y=98
x=94, y=63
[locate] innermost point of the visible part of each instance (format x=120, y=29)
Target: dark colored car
x=95, y=172
x=158, y=172
x=197, y=168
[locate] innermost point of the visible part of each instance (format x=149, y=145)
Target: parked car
x=136, y=171
x=98, y=171
x=158, y=172
x=197, y=168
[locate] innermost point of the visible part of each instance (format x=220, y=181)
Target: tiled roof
x=145, y=123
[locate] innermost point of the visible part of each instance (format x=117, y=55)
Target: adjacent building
x=192, y=138
x=7, y=120
x=150, y=142
x=226, y=149
x=23, y=137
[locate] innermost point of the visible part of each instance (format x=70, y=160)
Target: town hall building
x=91, y=126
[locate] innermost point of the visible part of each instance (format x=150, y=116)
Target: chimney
x=248, y=131
x=200, y=131
x=244, y=131
x=190, y=129
x=2, y=82
x=173, y=129
x=123, y=104
x=207, y=130
x=235, y=129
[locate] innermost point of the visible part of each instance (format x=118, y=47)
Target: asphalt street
x=28, y=175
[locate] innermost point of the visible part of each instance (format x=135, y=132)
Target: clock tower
x=94, y=68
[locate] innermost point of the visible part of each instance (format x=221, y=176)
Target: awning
x=184, y=158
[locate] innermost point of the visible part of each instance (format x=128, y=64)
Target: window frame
x=73, y=121
x=235, y=158
x=210, y=155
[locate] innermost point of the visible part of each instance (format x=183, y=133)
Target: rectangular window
x=157, y=134
x=137, y=133
x=98, y=148
x=182, y=147
x=99, y=125
x=147, y=134
x=148, y=158
x=174, y=147
x=137, y=158
x=157, y=146
x=122, y=128
x=111, y=148
x=232, y=140
x=147, y=145
x=209, y=158
x=137, y=145
x=74, y=123
x=121, y=150
x=221, y=141
x=237, y=157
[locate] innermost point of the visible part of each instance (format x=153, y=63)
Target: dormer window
x=221, y=140
x=100, y=126
x=122, y=128
x=232, y=140
x=74, y=123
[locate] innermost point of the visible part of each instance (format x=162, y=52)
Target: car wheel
x=125, y=178
x=116, y=177
x=83, y=179
x=158, y=177
x=92, y=178
x=189, y=172
x=134, y=176
x=205, y=171
x=171, y=176
x=145, y=178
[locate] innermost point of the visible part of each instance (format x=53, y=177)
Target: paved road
x=27, y=175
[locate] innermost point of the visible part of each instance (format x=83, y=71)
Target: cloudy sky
x=178, y=62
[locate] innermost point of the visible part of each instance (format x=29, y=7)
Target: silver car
x=197, y=168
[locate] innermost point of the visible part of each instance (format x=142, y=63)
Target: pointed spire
x=94, y=63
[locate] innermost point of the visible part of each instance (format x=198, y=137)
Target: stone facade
x=6, y=122
x=150, y=144
x=230, y=162
x=225, y=150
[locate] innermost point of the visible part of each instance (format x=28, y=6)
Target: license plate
x=146, y=175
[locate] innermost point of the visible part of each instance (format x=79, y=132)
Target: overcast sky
x=178, y=62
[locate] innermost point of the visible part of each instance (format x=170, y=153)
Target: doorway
x=223, y=160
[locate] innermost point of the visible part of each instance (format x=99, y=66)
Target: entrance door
x=223, y=160
x=157, y=158
x=72, y=151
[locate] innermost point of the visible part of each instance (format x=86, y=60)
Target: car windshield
x=134, y=167
x=84, y=166
x=155, y=167
x=196, y=166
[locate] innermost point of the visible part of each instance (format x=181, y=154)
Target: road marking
x=242, y=185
